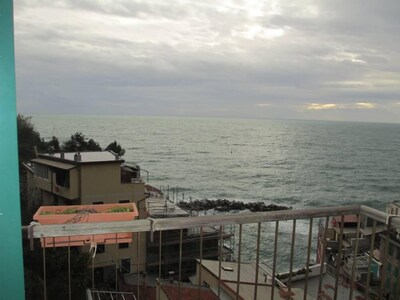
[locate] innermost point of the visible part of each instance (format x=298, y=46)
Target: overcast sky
x=303, y=59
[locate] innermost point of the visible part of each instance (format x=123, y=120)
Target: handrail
x=151, y=225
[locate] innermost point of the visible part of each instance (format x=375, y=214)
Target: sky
x=300, y=59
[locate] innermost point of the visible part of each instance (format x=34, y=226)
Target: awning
x=53, y=163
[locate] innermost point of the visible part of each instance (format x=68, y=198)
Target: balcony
x=277, y=255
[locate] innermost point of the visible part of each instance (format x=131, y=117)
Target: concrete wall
x=102, y=182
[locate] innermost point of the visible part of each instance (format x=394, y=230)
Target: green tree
x=28, y=138
x=116, y=148
x=79, y=142
x=52, y=146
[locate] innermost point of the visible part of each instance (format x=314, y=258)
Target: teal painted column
x=11, y=261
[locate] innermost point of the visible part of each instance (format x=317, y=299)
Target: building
x=84, y=178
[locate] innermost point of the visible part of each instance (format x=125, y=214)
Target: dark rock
x=224, y=205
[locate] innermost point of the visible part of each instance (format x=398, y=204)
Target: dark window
x=62, y=177
x=123, y=245
x=98, y=202
x=123, y=201
x=125, y=266
x=101, y=248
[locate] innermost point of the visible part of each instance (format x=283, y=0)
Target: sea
x=297, y=163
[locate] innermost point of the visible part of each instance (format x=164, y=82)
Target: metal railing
x=273, y=257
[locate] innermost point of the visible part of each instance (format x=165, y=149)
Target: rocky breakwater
x=227, y=205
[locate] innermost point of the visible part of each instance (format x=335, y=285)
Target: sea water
x=287, y=162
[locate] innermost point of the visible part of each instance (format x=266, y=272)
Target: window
x=123, y=201
x=41, y=171
x=101, y=248
x=98, y=202
x=125, y=267
x=123, y=245
x=62, y=177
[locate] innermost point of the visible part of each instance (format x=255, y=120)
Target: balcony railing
x=293, y=254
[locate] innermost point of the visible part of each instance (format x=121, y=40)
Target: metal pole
x=116, y=262
x=137, y=264
x=159, y=264
x=275, y=256
x=69, y=268
x=200, y=280
x=308, y=257
x=292, y=254
x=371, y=249
x=221, y=242
x=257, y=259
x=322, y=258
x=92, y=258
x=44, y=275
x=180, y=263
x=239, y=262
x=353, y=269
x=339, y=259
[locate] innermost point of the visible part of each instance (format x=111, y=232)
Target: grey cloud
x=346, y=53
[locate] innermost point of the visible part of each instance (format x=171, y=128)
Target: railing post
x=310, y=228
x=274, y=264
x=353, y=282
x=11, y=267
x=257, y=260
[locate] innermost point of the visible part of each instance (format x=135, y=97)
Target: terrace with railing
x=294, y=254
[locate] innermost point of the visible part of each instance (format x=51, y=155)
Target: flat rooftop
x=85, y=157
x=229, y=274
x=328, y=287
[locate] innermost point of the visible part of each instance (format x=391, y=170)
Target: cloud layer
x=335, y=60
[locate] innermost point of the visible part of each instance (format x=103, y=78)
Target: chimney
x=35, y=151
x=77, y=157
x=62, y=155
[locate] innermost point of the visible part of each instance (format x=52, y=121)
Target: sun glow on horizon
x=321, y=106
